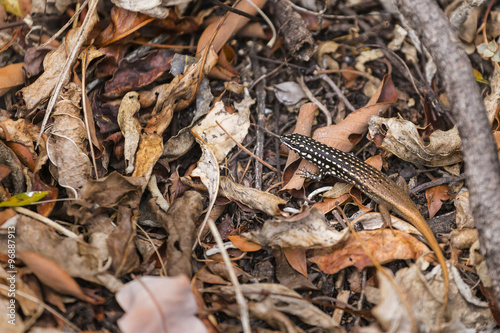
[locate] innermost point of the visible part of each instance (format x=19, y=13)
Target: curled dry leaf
x=384, y=245
x=307, y=229
x=236, y=124
x=180, y=223
x=435, y=197
x=464, y=214
x=78, y=259
x=401, y=138
x=288, y=301
x=10, y=160
x=67, y=145
x=130, y=127
x=389, y=311
x=463, y=239
x=159, y=304
x=121, y=243
x=50, y=274
x=11, y=76
x=372, y=221
x=40, y=90
x=20, y=131
x=424, y=294
x=253, y=198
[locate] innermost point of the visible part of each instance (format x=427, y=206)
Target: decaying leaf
x=78, y=259
x=67, y=145
x=384, y=245
x=251, y=197
x=130, y=127
x=389, y=311
x=435, y=197
x=401, y=138
x=287, y=301
x=159, y=304
x=464, y=214
x=180, y=223
x=236, y=124
x=121, y=243
x=305, y=230
x=424, y=294
x=52, y=275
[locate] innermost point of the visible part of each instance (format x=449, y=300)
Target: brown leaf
x=180, y=221
x=11, y=76
x=50, y=274
x=23, y=154
x=435, y=197
x=133, y=75
x=123, y=24
x=121, y=243
x=385, y=245
x=297, y=259
x=244, y=244
x=38, y=185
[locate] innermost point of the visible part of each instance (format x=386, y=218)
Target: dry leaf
x=236, y=124
x=401, y=138
x=244, y=244
x=464, y=215
x=307, y=229
x=50, y=274
x=251, y=197
x=67, y=145
x=130, y=127
x=290, y=302
x=384, y=245
x=11, y=76
x=435, y=197
x=297, y=259
x=180, y=222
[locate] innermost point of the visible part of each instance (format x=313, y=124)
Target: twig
x=67, y=65
x=245, y=149
x=337, y=90
x=313, y=99
x=261, y=118
x=47, y=221
x=437, y=182
x=45, y=306
x=272, y=41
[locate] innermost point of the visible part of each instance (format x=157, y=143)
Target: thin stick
x=45, y=306
x=313, y=99
x=86, y=112
x=337, y=90
x=67, y=65
x=245, y=149
x=49, y=222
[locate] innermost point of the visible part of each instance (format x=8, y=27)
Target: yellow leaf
x=24, y=199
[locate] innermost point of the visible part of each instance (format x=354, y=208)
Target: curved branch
x=468, y=111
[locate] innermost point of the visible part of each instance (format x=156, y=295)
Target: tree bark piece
x=468, y=111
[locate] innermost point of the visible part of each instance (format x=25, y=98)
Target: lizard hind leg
x=386, y=218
